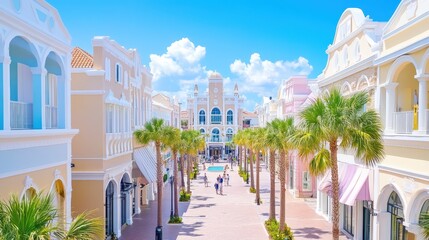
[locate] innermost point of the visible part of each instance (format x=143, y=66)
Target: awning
x=358, y=188
x=146, y=162
x=353, y=183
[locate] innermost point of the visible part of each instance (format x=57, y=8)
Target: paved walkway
x=231, y=216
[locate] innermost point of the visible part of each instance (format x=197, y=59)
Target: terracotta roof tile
x=81, y=59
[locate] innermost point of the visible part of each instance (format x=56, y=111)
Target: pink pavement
x=230, y=216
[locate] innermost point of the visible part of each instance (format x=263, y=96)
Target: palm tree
x=249, y=140
x=424, y=224
x=193, y=141
x=155, y=131
x=238, y=140
x=335, y=120
x=258, y=145
x=271, y=142
x=284, y=129
x=175, y=145
x=34, y=218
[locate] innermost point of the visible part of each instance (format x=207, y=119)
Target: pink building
x=293, y=95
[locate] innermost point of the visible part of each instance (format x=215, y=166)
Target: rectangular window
x=109, y=119
x=306, y=181
x=348, y=219
x=118, y=73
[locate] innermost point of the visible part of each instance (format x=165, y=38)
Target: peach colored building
x=111, y=97
x=35, y=129
x=217, y=114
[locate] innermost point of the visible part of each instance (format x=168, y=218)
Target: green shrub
x=272, y=227
x=184, y=196
x=165, y=177
x=175, y=220
x=252, y=190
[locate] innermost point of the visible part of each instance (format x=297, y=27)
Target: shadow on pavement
x=309, y=233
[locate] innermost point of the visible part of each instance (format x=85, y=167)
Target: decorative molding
x=33, y=169
x=420, y=44
x=414, y=175
x=88, y=92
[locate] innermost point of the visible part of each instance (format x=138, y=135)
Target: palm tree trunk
x=335, y=193
x=159, y=182
x=252, y=177
x=272, y=186
x=175, y=179
x=188, y=158
x=182, y=172
x=258, y=196
x=282, y=173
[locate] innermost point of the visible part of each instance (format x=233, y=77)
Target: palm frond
x=321, y=162
x=84, y=228
x=424, y=224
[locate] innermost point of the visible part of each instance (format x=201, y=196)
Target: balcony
x=117, y=143
x=403, y=122
x=21, y=115
x=51, y=117
x=215, y=139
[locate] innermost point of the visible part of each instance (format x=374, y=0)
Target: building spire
x=195, y=90
x=236, y=90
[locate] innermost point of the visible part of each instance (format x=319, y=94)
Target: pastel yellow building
x=111, y=96
x=401, y=189
x=35, y=129
x=350, y=68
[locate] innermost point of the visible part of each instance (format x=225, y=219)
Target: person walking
x=216, y=185
x=227, y=179
x=220, y=185
x=206, y=182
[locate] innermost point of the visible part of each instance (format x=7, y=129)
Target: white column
x=390, y=106
x=117, y=215
x=423, y=101
x=6, y=93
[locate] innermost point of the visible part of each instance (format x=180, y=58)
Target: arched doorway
x=396, y=210
x=127, y=193
x=30, y=193
x=109, y=208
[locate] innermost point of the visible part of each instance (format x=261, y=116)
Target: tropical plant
x=284, y=130
x=337, y=121
x=258, y=145
x=35, y=218
x=249, y=140
x=155, y=131
x=175, y=145
x=424, y=224
x=193, y=142
x=272, y=143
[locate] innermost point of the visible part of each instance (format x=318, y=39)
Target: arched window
x=202, y=131
x=424, y=210
x=345, y=56
x=357, y=51
x=229, y=135
x=202, y=117
x=216, y=116
x=215, y=135
x=229, y=117
x=397, y=228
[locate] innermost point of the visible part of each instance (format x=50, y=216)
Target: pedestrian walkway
x=233, y=215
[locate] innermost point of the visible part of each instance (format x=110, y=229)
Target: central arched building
x=217, y=115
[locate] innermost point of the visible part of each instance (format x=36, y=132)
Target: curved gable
x=406, y=12
x=350, y=20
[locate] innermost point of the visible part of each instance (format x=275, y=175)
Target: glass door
x=366, y=226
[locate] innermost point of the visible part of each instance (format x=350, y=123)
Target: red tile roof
x=81, y=59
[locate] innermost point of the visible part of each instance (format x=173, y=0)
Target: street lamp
x=172, y=190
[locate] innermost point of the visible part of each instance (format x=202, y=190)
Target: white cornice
x=413, y=174
x=88, y=71
x=406, y=25
x=87, y=175
x=405, y=50
x=357, y=67
x=88, y=92
x=33, y=169
x=410, y=141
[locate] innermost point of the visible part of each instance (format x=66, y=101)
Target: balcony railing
x=51, y=117
x=215, y=139
x=404, y=122
x=117, y=143
x=21, y=115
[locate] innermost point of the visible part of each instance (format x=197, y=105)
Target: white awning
x=146, y=162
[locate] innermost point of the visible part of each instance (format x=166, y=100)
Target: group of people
x=219, y=182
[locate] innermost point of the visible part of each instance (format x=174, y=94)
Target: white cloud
x=182, y=58
x=263, y=77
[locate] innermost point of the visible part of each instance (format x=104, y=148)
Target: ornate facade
x=216, y=114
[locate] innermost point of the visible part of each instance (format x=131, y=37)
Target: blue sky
x=255, y=43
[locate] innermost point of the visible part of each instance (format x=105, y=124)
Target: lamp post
x=172, y=191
